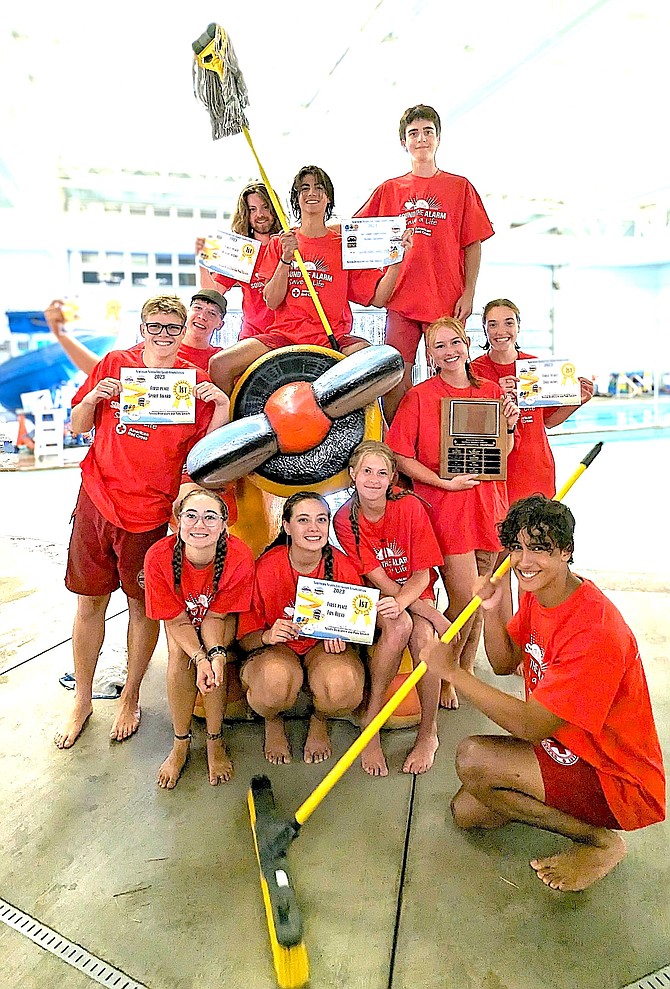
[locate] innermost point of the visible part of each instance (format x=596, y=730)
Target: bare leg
x=87, y=635
x=459, y=573
x=503, y=775
x=226, y=367
x=336, y=681
x=142, y=639
x=422, y=755
x=484, y=562
x=181, y=691
x=392, y=399
x=383, y=662
x=273, y=679
x=219, y=763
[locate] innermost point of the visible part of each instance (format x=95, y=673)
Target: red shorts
x=275, y=340
x=404, y=334
x=102, y=557
x=573, y=786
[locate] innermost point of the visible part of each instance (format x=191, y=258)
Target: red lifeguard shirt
x=198, y=356
x=530, y=463
x=132, y=473
x=462, y=520
x=582, y=663
x=296, y=317
x=256, y=317
x=447, y=215
x=195, y=594
x=402, y=541
x=274, y=592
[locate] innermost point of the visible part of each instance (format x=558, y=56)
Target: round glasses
x=172, y=329
x=210, y=519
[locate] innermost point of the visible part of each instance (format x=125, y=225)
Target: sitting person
x=296, y=319
x=196, y=582
x=388, y=536
x=583, y=759
x=280, y=658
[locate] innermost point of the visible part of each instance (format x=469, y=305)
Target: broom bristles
x=218, y=82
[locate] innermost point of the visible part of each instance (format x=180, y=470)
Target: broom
x=273, y=836
x=219, y=83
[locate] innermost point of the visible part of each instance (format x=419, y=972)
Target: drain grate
x=657, y=980
x=69, y=952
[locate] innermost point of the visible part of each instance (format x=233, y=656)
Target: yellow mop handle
x=307, y=808
x=296, y=254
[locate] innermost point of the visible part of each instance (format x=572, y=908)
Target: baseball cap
x=212, y=296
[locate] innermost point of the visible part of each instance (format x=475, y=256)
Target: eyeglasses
x=172, y=329
x=210, y=519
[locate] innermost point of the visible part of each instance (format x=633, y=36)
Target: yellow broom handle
x=306, y=809
x=296, y=254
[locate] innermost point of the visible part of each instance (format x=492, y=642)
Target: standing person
x=583, y=759
x=530, y=465
x=280, y=658
x=296, y=320
x=450, y=223
x=130, y=478
x=254, y=217
x=205, y=316
x=388, y=536
x=197, y=581
x=464, y=511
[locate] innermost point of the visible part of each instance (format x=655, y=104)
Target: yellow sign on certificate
x=326, y=609
x=546, y=383
x=230, y=254
x=150, y=396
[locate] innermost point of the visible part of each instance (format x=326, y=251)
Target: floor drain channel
x=657, y=980
x=69, y=952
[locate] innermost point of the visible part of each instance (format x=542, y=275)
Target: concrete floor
x=165, y=885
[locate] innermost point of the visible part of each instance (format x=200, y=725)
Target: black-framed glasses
x=172, y=329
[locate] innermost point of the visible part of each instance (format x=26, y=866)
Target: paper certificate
x=550, y=382
x=230, y=254
x=157, y=395
x=325, y=609
x=372, y=242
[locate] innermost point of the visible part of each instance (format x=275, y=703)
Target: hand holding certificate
x=325, y=609
x=230, y=254
x=547, y=383
x=372, y=242
x=157, y=395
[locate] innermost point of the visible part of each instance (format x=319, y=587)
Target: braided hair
x=283, y=539
x=221, y=543
x=377, y=449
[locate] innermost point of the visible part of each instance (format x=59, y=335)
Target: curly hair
x=283, y=539
x=549, y=522
x=319, y=176
x=451, y=323
x=240, y=223
x=494, y=304
x=221, y=543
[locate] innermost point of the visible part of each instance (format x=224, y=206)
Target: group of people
x=584, y=680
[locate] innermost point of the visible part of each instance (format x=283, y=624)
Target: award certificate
x=372, y=242
x=230, y=254
x=157, y=395
x=325, y=609
x=547, y=382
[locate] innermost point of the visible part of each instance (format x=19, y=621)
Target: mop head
x=281, y=910
x=219, y=83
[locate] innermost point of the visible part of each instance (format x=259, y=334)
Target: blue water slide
x=46, y=367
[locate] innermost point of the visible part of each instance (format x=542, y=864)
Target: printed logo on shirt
x=121, y=428
x=559, y=753
x=318, y=272
x=393, y=559
x=422, y=214
x=198, y=606
x=536, y=663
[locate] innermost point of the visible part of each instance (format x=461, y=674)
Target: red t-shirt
x=530, y=462
x=257, y=318
x=462, y=520
x=447, y=215
x=274, y=591
x=582, y=663
x=195, y=594
x=297, y=317
x=402, y=541
x=198, y=356
x=132, y=473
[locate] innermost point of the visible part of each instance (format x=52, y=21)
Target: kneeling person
x=584, y=759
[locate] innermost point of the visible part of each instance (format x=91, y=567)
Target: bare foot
x=519, y=670
x=372, y=758
x=422, y=756
x=219, y=763
x=317, y=744
x=582, y=865
x=276, y=747
x=171, y=769
x=70, y=731
x=448, y=696
x=127, y=719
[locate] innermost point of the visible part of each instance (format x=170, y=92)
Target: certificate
x=372, y=241
x=550, y=382
x=230, y=254
x=157, y=395
x=325, y=609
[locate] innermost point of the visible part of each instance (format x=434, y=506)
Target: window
x=161, y=211
x=89, y=257
x=186, y=278
x=163, y=259
x=114, y=257
x=112, y=207
x=185, y=214
x=138, y=211
x=164, y=278
x=90, y=277
x=139, y=260
x=186, y=260
x=208, y=214
x=140, y=277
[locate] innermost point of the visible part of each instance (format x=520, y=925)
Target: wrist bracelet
x=194, y=658
x=218, y=651
x=288, y=263
x=512, y=430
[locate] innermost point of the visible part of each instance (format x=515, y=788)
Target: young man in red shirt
x=583, y=759
x=130, y=479
x=450, y=223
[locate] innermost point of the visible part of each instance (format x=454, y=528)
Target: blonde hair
x=164, y=304
x=371, y=448
x=451, y=323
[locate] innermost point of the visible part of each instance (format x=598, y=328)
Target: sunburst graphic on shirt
x=431, y=203
x=318, y=264
x=197, y=607
x=389, y=551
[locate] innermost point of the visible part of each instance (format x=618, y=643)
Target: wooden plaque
x=473, y=438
